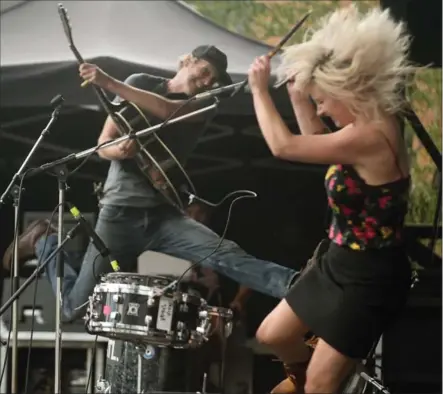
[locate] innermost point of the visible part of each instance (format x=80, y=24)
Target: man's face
x=199, y=76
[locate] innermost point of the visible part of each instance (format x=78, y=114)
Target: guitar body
x=154, y=159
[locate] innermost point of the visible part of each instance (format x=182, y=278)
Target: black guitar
x=154, y=159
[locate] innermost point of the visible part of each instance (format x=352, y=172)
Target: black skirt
x=348, y=297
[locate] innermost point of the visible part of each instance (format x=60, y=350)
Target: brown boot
x=26, y=242
x=296, y=373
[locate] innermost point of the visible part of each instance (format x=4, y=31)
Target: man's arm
x=157, y=105
x=240, y=298
x=119, y=151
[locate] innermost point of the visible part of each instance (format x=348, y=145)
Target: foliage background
x=268, y=21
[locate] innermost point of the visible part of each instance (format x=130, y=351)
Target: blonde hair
x=358, y=59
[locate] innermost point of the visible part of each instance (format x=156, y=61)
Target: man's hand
x=93, y=74
x=239, y=301
x=127, y=149
x=237, y=307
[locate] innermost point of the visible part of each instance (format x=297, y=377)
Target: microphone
x=57, y=101
x=95, y=239
x=218, y=91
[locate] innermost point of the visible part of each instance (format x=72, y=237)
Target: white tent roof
x=153, y=33
x=123, y=37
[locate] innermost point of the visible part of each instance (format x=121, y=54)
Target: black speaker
x=423, y=19
x=44, y=309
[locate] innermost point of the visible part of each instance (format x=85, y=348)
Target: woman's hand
x=295, y=95
x=93, y=74
x=258, y=74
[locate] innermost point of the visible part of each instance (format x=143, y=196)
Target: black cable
x=11, y=266
x=94, y=350
x=34, y=301
x=222, y=237
x=247, y=194
x=83, y=162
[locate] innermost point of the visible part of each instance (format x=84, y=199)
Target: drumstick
x=288, y=35
x=279, y=46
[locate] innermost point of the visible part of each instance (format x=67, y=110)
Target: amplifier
x=44, y=312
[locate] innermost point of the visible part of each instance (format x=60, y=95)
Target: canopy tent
x=123, y=37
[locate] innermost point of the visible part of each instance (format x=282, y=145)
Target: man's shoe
x=26, y=242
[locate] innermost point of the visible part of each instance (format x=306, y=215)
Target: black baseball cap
x=217, y=59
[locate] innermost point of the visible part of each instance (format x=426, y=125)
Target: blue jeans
x=128, y=232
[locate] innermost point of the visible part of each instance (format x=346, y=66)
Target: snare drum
x=131, y=307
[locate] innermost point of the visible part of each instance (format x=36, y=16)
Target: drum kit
x=153, y=332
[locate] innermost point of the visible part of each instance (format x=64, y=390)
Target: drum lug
x=117, y=298
x=103, y=386
x=203, y=314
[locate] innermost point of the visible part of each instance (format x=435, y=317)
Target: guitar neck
x=101, y=95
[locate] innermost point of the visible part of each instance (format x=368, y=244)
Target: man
x=133, y=216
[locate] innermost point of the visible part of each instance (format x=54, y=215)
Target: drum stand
x=370, y=364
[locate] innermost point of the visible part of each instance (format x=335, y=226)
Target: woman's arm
x=308, y=121
x=346, y=146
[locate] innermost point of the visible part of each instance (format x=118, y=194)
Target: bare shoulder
x=386, y=154
x=366, y=137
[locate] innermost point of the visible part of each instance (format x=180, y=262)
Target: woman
x=354, y=67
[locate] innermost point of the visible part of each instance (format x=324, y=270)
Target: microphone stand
x=62, y=174
x=142, y=133
x=14, y=191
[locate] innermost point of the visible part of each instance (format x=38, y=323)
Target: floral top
x=364, y=216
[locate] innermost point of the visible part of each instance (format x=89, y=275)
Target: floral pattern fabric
x=364, y=216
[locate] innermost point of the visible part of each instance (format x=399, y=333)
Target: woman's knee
x=281, y=326
x=265, y=333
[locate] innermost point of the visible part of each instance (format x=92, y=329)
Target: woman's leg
x=327, y=369
x=283, y=332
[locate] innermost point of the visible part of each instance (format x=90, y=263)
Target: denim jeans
x=128, y=232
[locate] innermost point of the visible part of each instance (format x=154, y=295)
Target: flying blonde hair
x=361, y=60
